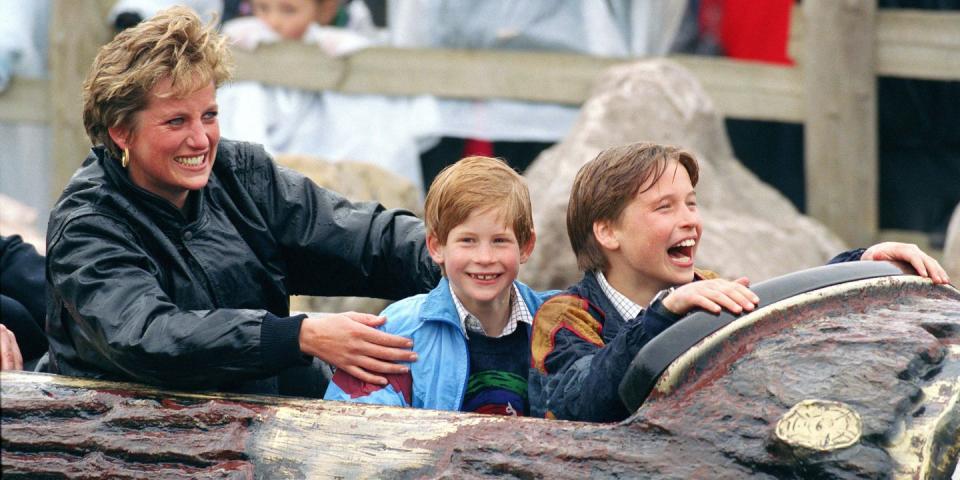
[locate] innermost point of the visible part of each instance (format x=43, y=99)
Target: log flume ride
x=846, y=371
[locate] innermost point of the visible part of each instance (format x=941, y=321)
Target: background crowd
x=919, y=150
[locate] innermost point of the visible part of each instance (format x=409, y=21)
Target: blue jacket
x=440, y=374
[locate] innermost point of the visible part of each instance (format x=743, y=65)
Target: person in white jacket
x=25, y=163
x=613, y=28
x=329, y=125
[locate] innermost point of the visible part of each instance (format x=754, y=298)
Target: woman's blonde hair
x=173, y=44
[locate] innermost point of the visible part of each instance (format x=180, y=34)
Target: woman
x=171, y=253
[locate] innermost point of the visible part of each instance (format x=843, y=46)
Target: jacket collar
x=589, y=288
x=439, y=306
x=164, y=211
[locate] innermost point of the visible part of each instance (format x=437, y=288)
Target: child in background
x=328, y=125
x=294, y=20
x=634, y=227
x=471, y=333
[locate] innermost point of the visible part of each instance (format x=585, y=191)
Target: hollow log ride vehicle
x=845, y=371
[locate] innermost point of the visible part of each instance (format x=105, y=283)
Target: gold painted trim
x=912, y=449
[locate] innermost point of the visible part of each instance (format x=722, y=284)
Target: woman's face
x=173, y=142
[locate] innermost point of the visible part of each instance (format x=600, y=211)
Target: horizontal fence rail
x=910, y=43
x=25, y=100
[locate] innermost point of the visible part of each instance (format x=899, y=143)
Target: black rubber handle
x=659, y=353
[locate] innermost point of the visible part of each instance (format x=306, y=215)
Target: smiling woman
x=172, y=143
x=172, y=253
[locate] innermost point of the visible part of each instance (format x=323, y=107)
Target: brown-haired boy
x=471, y=333
x=634, y=226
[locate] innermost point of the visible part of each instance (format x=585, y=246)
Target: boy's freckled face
x=659, y=232
x=289, y=18
x=481, y=259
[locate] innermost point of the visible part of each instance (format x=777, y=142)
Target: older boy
x=471, y=333
x=634, y=226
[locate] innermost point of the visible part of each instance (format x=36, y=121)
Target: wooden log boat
x=851, y=375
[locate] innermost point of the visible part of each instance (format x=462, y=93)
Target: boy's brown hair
x=605, y=185
x=478, y=184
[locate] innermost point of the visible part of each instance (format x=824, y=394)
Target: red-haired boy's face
x=653, y=244
x=481, y=258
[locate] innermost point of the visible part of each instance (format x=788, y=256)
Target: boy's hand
x=713, y=296
x=351, y=342
x=923, y=264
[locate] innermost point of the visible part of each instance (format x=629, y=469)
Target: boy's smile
x=681, y=253
x=653, y=244
x=481, y=259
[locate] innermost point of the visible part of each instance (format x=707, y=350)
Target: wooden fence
x=840, y=47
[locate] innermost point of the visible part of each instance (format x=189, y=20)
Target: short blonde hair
x=605, y=185
x=478, y=184
x=173, y=44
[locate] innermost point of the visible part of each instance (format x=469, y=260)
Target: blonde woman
x=172, y=252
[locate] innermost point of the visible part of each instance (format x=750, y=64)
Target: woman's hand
x=712, y=295
x=10, y=358
x=350, y=342
x=909, y=254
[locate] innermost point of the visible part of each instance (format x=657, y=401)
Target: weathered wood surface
x=25, y=100
x=77, y=30
x=889, y=347
x=840, y=132
x=81, y=428
x=918, y=44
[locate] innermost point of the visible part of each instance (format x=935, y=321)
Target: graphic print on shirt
x=498, y=374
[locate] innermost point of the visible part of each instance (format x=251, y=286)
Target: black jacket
x=22, y=308
x=140, y=291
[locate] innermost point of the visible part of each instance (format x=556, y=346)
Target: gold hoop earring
x=125, y=159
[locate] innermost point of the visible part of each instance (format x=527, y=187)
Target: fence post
x=840, y=138
x=77, y=29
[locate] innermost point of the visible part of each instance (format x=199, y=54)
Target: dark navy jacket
x=22, y=307
x=581, y=349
